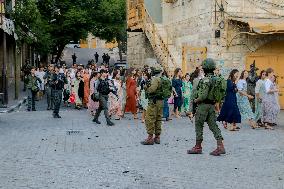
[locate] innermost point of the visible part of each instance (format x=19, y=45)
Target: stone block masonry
x=138, y=49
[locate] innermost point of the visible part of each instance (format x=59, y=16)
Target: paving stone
x=37, y=152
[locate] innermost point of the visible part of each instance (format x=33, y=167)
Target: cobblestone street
x=38, y=151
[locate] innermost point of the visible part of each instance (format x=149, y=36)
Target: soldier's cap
x=156, y=71
x=209, y=64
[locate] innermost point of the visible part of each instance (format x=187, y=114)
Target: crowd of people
x=124, y=91
x=203, y=94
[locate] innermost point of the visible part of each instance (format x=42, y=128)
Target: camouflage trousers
x=31, y=100
x=57, y=97
x=154, y=114
x=206, y=113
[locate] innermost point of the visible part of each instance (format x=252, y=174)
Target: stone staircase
x=165, y=51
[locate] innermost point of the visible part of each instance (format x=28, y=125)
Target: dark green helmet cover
x=209, y=64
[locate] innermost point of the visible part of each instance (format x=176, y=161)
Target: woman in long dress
x=93, y=106
x=177, y=88
x=86, y=78
x=259, y=93
x=230, y=112
x=271, y=107
x=243, y=101
x=76, y=91
x=115, y=102
x=186, y=92
x=131, y=96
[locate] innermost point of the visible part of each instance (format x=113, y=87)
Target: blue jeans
x=166, y=109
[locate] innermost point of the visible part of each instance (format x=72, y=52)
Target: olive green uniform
x=154, y=112
x=32, y=85
x=205, y=111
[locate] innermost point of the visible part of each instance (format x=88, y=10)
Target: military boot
x=109, y=123
x=148, y=141
x=157, y=139
x=197, y=149
x=96, y=121
x=219, y=150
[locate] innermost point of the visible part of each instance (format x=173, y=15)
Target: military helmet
x=209, y=64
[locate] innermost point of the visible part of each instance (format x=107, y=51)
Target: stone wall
x=231, y=53
x=139, y=49
x=254, y=8
x=190, y=22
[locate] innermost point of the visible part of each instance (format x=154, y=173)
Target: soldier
x=205, y=111
x=103, y=89
x=251, y=80
x=26, y=69
x=96, y=57
x=158, y=90
x=48, y=78
x=32, y=85
x=74, y=58
x=57, y=84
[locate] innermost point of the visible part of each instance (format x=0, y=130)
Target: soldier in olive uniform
x=57, y=84
x=154, y=112
x=48, y=79
x=102, y=88
x=32, y=85
x=205, y=111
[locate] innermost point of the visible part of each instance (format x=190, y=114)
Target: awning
x=263, y=26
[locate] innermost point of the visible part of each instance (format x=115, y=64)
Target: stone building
x=12, y=57
x=235, y=33
x=92, y=42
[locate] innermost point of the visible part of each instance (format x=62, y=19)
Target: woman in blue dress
x=230, y=112
x=243, y=101
x=177, y=88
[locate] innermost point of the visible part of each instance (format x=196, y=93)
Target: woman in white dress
x=271, y=107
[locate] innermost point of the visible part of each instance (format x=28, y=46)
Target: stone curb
x=15, y=107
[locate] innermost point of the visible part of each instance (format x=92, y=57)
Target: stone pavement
x=38, y=151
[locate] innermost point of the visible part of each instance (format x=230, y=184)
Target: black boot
x=96, y=121
x=56, y=115
x=109, y=123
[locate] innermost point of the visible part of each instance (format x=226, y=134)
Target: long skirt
x=258, y=110
x=271, y=108
x=244, y=107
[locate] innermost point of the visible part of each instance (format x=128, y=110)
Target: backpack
x=218, y=87
x=164, y=91
x=103, y=87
